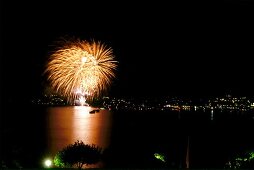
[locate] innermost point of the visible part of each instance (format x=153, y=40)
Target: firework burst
x=80, y=69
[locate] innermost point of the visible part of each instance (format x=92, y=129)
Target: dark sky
x=163, y=48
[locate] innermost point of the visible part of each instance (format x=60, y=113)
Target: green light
x=160, y=157
x=251, y=155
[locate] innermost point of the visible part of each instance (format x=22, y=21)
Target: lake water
x=130, y=139
x=66, y=125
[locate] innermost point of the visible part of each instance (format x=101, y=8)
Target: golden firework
x=81, y=69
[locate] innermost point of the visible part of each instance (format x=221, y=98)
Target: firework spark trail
x=87, y=67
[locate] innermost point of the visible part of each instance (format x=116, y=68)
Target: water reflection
x=69, y=124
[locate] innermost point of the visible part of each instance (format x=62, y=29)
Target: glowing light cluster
x=160, y=157
x=81, y=69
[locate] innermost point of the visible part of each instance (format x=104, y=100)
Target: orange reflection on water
x=69, y=124
x=91, y=128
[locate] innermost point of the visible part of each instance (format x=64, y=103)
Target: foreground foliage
x=243, y=161
x=78, y=155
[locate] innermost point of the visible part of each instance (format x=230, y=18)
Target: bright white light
x=82, y=100
x=48, y=163
x=83, y=59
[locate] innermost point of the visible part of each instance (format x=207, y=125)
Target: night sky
x=163, y=48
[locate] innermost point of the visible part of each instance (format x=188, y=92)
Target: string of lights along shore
x=80, y=69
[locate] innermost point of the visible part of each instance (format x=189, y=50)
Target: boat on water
x=94, y=111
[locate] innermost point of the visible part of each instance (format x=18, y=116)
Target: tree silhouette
x=77, y=155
